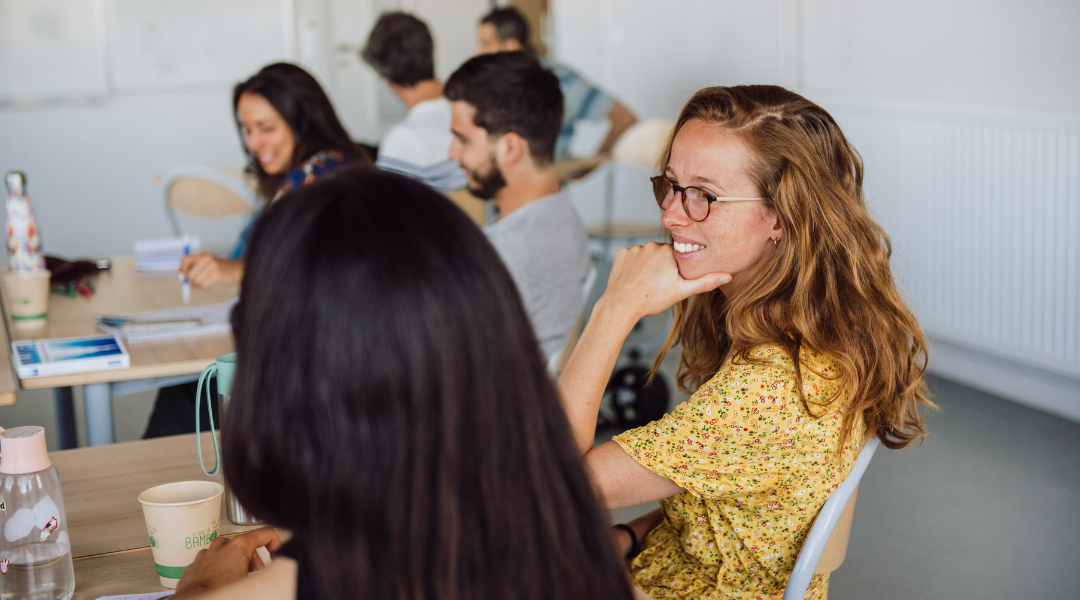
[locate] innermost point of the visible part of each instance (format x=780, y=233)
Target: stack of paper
x=149, y=596
x=170, y=323
x=163, y=254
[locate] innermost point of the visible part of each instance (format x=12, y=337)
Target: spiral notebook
x=170, y=323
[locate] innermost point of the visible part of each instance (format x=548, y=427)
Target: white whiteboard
x=51, y=49
x=165, y=44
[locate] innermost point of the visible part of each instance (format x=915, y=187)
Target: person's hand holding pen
x=204, y=270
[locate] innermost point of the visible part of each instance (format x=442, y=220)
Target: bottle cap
x=22, y=450
x=16, y=181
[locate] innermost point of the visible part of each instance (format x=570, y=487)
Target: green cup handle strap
x=210, y=410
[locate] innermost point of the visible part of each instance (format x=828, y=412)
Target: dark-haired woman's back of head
x=392, y=407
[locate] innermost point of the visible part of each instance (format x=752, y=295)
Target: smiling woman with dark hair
x=391, y=407
x=292, y=137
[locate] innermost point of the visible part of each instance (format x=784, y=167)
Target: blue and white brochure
x=39, y=358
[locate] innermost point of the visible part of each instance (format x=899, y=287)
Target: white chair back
x=557, y=361
x=643, y=143
x=839, y=507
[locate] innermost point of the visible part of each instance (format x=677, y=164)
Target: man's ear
x=511, y=149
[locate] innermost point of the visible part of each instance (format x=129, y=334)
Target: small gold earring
x=775, y=242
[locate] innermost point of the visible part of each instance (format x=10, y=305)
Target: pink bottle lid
x=22, y=450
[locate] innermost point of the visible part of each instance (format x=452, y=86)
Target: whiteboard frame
x=289, y=47
x=108, y=89
x=81, y=96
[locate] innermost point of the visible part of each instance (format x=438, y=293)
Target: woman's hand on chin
x=645, y=280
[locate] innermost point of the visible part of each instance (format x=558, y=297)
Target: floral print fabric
x=320, y=164
x=756, y=467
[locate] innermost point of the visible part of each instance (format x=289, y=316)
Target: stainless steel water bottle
x=225, y=366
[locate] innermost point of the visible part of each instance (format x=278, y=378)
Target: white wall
x=89, y=167
x=654, y=54
x=1004, y=53
x=1001, y=53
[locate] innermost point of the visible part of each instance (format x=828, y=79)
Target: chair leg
x=65, y=418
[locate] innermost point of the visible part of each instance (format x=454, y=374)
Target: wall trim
x=1001, y=115
x=1024, y=384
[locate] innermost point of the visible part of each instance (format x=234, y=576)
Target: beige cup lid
x=23, y=450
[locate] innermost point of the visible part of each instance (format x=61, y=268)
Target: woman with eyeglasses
x=792, y=332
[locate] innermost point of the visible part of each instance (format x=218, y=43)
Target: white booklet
x=163, y=254
x=39, y=358
x=170, y=323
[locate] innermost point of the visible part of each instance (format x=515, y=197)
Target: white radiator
x=983, y=210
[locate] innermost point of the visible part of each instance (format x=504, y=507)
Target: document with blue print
x=39, y=358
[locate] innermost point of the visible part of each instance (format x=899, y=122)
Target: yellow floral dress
x=756, y=468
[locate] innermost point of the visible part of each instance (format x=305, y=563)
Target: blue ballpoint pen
x=183, y=278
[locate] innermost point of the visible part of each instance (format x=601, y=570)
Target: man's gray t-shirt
x=546, y=250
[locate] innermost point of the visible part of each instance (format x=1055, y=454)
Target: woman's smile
x=685, y=247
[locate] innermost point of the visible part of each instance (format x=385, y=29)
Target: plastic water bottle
x=35, y=551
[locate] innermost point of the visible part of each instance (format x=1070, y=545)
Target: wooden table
x=105, y=523
x=123, y=290
x=8, y=382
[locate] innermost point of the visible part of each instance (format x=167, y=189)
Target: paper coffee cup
x=27, y=298
x=181, y=519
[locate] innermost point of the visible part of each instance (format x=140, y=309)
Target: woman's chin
x=687, y=271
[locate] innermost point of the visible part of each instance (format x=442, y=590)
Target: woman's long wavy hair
x=392, y=407
x=306, y=109
x=828, y=286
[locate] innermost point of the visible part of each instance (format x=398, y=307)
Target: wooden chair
x=206, y=193
x=826, y=544
x=471, y=205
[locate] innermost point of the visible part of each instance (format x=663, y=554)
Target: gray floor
x=987, y=507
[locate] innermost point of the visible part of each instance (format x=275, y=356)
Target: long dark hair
x=391, y=406
x=304, y=106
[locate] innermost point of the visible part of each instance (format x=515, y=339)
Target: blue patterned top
x=319, y=165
